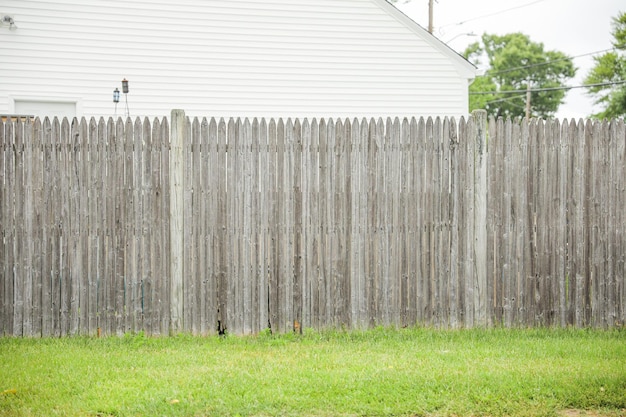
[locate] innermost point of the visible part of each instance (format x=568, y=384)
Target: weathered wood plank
x=598, y=216
x=455, y=207
x=246, y=236
x=428, y=205
x=532, y=190
x=323, y=282
x=285, y=139
x=161, y=258
x=65, y=281
x=494, y=221
x=20, y=274
x=507, y=146
x=441, y=251
x=617, y=223
x=37, y=181
x=108, y=157
x=404, y=224
x=256, y=231
x=418, y=132
x=99, y=173
x=582, y=191
x=338, y=244
x=306, y=202
x=9, y=230
x=3, y=227
x=314, y=242
x=619, y=184
x=71, y=223
x=95, y=233
x=414, y=213
x=561, y=271
x=359, y=223
x=394, y=162
x=205, y=272
x=273, y=231
x=549, y=246
x=176, y=218
x=145, y=225
x=85, y=193
x=120, y=232
x=188, y=267
x=263, y=231
x=210, y=174
x=31, y=232
x=154, y=273
x=194, y=230
x=299, y=233
x=134, y=212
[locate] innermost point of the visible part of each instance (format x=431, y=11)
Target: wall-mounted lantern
x=125, y=91
x=116, y=99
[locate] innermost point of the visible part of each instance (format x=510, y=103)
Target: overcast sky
x=574, y=27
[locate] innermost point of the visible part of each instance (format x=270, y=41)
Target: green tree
x=610, y=69
x=515, y=64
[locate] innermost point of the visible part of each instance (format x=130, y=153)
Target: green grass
x=381, y=372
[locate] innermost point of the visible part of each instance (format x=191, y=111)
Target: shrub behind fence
x=115, y=226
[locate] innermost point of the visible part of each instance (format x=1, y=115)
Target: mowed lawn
x=380, y=372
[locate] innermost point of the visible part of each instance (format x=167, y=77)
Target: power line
x=547, y=62
x=506, y=99
x=533, y=90
x=494, y=13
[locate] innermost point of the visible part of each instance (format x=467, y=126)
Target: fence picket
x=4, y=317
x=9, y=229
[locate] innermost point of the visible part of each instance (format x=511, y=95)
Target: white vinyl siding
x=297, y=58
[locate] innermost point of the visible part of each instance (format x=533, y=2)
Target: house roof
x=466, y=68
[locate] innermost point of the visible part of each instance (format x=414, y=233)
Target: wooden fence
x=204, y=225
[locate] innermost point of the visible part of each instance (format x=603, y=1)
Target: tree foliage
x=610, y=69
x=515, y=64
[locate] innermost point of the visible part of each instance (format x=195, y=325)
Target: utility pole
x=528, y=99
x=430, y=16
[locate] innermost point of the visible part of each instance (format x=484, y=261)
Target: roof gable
x=466, y=68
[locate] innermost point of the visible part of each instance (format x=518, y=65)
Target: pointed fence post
x=481, y=153
x=177, y=138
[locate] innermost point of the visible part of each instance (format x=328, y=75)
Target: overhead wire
x=533, y=90
x=493, y=14
x=506, y=99
x=547, y=62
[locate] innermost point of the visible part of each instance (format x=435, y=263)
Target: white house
x=253, y=58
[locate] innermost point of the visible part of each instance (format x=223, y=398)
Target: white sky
x=574, y=27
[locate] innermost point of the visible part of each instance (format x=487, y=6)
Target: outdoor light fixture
x=125, y=91
x=9, y=20
x=116, y=99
